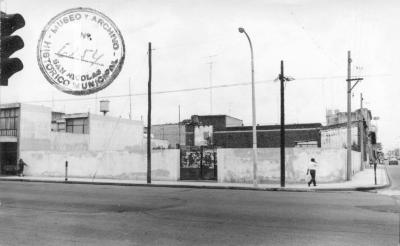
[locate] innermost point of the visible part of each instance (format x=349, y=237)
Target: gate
x=198, y=163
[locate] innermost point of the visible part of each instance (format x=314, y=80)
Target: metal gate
x=198, y=163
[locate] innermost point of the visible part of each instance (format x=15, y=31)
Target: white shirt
x=312, y=165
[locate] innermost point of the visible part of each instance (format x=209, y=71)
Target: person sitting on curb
x=312, y=168
x=21, y=167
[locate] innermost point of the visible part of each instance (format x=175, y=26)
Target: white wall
x=109, y=133
x=337, y=137
x=35, y=127
x=64, y=141
x=105, y=164
x=112, y=149
x=236, y=165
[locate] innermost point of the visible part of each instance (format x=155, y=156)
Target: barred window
x=9, y=121
x=77, y=125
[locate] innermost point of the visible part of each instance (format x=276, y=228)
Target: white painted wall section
x=236, y=165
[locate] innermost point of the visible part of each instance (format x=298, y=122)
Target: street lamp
x=253, y=108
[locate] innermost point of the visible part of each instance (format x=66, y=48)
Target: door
x=198, y=163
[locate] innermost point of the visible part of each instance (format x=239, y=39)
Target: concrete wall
x=337, y=137
x=169, y=132
x=112, y=149
x=109, y=133
x=105, y=164
x=64, y=141
x=230, y=122
x=236, y=165
x=35, y=125
x=156, y=144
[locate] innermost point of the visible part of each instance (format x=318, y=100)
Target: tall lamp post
x=253, y=108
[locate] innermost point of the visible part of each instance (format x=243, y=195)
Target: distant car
x=393, y=161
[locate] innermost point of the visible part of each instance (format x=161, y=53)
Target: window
x=8, y=121
x=77, y=125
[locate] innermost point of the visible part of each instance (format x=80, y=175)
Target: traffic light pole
x=8, y=45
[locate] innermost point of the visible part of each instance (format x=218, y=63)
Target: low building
x=334, y=135
x=173, y=133
x=199, y=129
x=223, y=131
x=335, y=117
x=40, y=136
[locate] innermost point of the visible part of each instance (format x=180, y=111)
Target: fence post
x=66, y=171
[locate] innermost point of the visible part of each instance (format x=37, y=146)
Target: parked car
x=393, y=161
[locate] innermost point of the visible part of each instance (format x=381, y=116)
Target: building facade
x=173, y=133
x=26, y=130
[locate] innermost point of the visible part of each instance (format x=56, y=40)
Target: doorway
x=8, y=158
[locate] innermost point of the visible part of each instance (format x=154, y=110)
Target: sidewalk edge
x=200, y=186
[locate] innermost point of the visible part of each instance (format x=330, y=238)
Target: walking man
x=312, y=168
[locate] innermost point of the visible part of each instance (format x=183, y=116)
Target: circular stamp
x=80, y=51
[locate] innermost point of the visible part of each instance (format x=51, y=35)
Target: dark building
x=268, y=136
x=218, y=122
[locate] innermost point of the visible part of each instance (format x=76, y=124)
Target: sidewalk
x=361, y=181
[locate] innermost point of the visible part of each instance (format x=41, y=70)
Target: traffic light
x=9, y=44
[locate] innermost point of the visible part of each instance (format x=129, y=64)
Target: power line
x=194, y=89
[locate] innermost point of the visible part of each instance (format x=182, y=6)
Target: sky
x=312, y=37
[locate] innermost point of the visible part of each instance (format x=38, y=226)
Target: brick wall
x=267, y=136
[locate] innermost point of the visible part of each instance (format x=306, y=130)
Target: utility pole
x=130, y=100
x=362, y=133
x=282, y=79
x=149, y=121
x=179, y=125
x=210, y=79
x=211, y=82
x=348, y=163
x=349, y=89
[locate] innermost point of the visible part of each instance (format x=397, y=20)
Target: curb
x=378, y=187
x=226, y=187
x=180, y=185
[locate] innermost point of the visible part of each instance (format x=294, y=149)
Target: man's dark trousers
x=312, y=172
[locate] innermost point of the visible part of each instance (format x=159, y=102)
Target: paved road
x=71, y=214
